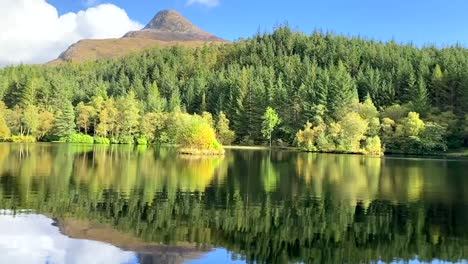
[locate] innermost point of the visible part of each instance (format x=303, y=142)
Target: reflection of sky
x=31, y=239
x=216, y=256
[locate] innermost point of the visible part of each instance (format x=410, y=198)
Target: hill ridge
x=167, y=28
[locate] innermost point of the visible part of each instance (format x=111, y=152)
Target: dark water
x=124, y=204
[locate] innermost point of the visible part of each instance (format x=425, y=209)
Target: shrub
x=373, y=146
x=306, y=138
x=433, y=138
x=126, y=140
x=21, y=139
x=353, y=131
x=225, y=135
x=78, y=138
x=101, y=140
x=197, y=136
x=142, y=141
x=163, y=138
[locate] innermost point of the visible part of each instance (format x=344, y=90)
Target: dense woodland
x=332, y=93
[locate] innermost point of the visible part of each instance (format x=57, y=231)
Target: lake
x=64, y=203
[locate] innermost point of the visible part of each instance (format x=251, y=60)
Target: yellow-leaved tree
x=196, y=135
x=4, y=129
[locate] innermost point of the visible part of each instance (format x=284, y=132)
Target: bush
x=197, y=136
x=21, y=139
x=163, y=138
x=308, y=138
x=413, y=135
x=225, y=135
x=433, y=138
x=353, y=129
x=126, y=140
x=373, y=146
x=49, y=138
x=101, y=140
x=78, y=138
x=142, y=141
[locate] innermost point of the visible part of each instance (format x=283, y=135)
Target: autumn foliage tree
x=197, y=136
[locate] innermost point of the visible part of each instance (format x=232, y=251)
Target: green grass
x=201, y=152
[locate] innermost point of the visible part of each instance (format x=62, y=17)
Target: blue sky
x=418, y=21
x=37, y=31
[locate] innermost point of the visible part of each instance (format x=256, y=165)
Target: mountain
x=168, y=28
x=169, y=25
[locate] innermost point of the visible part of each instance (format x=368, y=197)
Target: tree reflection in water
x=285, y=207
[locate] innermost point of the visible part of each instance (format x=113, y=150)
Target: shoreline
x=459, y=154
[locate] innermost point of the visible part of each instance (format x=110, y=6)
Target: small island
x=196, y=136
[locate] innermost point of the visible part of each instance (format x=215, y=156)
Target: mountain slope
x=168, y=28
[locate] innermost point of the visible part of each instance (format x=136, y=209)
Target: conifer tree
x=175, y=103
x=65, y=122
x=155, y=103
x=437, y=86
x=341, y=92
x=420, y=97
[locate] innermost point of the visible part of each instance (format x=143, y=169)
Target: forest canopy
x=394, y=97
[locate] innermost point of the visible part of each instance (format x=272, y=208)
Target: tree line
x=317, y=84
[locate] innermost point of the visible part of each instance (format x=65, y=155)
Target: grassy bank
x=459, y=153
x=201, y=152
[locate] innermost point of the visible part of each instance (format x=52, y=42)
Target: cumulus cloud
x=209, y=3
x=32, y=31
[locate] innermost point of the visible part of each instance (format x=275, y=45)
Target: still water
x=64, y=203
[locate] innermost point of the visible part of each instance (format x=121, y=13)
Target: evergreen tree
x=65, y=122
x=317, y=78
x=175, y=103
x=155, y=103
x=419, y=97
x=437, y=86
x=341, y=92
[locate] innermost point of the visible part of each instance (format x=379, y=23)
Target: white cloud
x=209, y=3
x=31, y=31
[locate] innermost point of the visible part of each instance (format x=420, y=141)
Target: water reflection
x=32, y=238
x=283, y=207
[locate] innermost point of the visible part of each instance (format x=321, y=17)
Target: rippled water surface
x=122, y=204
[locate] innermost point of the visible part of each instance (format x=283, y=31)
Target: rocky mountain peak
x=171, y=21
